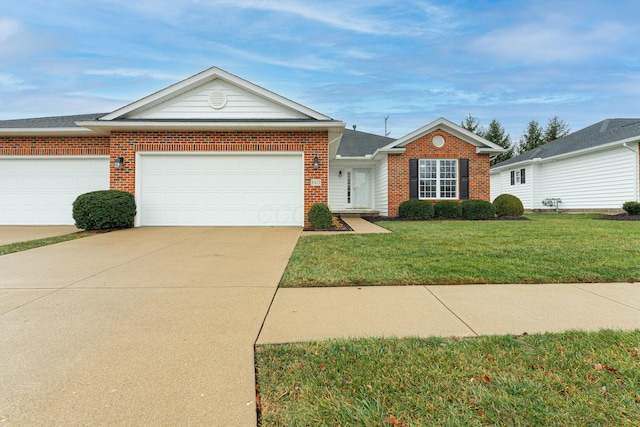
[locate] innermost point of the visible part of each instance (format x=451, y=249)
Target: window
x=518, y=177
x=437, y=179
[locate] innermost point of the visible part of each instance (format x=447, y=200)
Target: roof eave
x=66, y=131
x=134, y=125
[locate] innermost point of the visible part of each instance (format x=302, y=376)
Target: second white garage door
x=220, y=189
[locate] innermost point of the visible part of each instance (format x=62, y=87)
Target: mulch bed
x=337, y=225
x=621, y=217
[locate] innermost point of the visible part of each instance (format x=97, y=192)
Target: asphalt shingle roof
x=604, y=132
x=357, y=144
x=48, y=122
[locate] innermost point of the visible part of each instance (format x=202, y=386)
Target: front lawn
x=549, y=248
x=568, y=379
x=32, y=244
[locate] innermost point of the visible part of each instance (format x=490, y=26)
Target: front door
x=359, y=189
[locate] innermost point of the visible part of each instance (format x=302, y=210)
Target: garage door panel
x=220, y=189
x=41, y=190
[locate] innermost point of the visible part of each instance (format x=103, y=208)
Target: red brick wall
x=54, y=145
x=423, y=148
x=311, y=143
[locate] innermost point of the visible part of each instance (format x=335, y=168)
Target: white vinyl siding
x=223, y=189
x=338, y=184
x=381, y=186
x=241, y=104
x=602, y=179
x=41, y=190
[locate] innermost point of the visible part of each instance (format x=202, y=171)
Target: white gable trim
x=481, y=144
x=203, y=78
x=133, y=125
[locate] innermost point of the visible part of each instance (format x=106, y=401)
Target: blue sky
x=356, y=61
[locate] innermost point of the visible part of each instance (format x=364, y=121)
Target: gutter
x=158, y=126
x=80, y=131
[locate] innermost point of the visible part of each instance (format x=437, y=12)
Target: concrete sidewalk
x=465, y=310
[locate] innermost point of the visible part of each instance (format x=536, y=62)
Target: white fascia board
x=196, y=126
x=202, y=78
x=75, y=131
x=635, y=140
x=481, y=150
x=384, y=150
x=450, y=127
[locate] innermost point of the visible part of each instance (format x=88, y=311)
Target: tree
x=556, y=129
x=533, y=137
x=472, y=124
x=495, y=133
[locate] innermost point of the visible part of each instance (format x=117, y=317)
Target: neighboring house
x=593, y=169
x=215, y=149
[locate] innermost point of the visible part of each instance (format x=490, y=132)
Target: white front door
x=359, y=189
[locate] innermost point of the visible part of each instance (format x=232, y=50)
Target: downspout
x=637, y=163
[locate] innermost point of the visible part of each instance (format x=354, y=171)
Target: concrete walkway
x=466, y=310
x=357, y=224
x=139, y=327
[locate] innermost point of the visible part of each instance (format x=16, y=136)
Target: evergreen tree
x=472, y=124
x=533, y=137
x=556, y=129
x=495, y=133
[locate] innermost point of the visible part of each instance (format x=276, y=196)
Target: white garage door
x=41, y=190
x=220, y=189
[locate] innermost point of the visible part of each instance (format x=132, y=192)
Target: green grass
x=546, y=249
x=568, y=379
x=31, y=244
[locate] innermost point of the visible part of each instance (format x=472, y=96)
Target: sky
x=355, y=61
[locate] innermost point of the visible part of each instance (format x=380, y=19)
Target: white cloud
x=123, y=72
x=552, y=39
x=9, y=82
x=9, y=28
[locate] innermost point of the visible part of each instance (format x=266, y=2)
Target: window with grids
x=437, y=179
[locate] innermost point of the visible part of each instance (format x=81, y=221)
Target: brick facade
x=423, y=148
x=127, y=144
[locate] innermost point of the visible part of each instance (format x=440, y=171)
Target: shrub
x=632, y=208
x=103, y=209
x=320, y=216
x=415, y=209
x=508, y=205
x=477, y=209
x=448, y=209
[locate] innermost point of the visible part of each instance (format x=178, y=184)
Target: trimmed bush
x=448, y=209
x=478, y=209
x=632, y=208
x=320, y=216
x=99, y=210
x=415, y=209
x=508, y=205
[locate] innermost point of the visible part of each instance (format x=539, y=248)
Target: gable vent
x=217, y=99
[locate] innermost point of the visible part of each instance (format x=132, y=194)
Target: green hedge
x=478, y=209
x=415, y=209
x=104, y=209
x=508, y=205
x=632, y=208
x=448, y=209
x=320, y=216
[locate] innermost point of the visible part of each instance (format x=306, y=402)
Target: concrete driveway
x=147, y=326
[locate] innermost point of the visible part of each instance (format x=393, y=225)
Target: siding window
x=518, y=177
x=437, y=179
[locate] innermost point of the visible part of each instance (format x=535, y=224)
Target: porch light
x=340, y=174
x=316, y=162
x=118, y=162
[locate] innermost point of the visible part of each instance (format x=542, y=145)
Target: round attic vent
x=217, y=99
x=438, y=141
